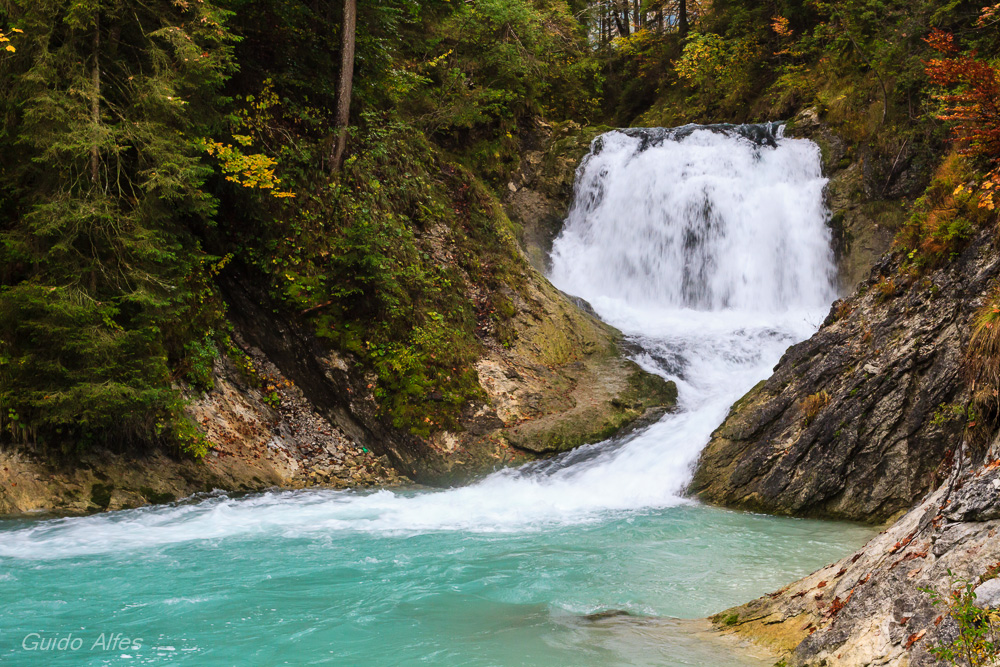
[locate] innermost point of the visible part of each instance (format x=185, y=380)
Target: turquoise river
x=709, y=250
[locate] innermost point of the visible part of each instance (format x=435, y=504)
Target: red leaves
x=913, y=555
x=942, y=41
x=973, y=100
x=914, y=638
x=837, y=604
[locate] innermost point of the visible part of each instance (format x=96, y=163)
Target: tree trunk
x=344, y=83
x=95, y=97
x=682, y=26
x=621, y=18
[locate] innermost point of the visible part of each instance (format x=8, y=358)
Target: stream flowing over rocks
x=706, y=247
x=704, y=252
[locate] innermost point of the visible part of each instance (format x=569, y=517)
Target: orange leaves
x=942, y=41
x=973, y=100
x=779, y=24
x=989, y=16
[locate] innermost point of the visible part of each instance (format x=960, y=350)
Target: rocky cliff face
x=538, y=196
x=562, y=381
x=263, y=432
x=861, y=420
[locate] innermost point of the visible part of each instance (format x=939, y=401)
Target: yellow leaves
x=5, y=40
x=215, y=268
x=987, y=190
x=434, y=62
x=258, y=115
x=990, y=190
x=712, y=60
x=254, y=171
x=703, y=55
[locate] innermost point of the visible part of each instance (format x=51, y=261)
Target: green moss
x=746, y=398
x=100, y=495
x=155, y=497
x=646, y=390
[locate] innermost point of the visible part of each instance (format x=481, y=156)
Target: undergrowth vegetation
x=977, y=641
x=813, y=404
x=982, y=370
x=945, y=217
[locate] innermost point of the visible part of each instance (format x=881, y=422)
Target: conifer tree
x=101, y=204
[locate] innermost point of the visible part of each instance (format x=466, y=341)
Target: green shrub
x=978, y=640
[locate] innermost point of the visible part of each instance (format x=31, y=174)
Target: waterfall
x=708, y=247
x=705, y=219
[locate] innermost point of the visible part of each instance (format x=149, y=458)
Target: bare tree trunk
x=344, y=83
x=621, y=18
x=683, y=27
x=95, y=98
x=600, y=25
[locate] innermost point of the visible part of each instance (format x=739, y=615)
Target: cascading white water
x=706, y=220
x=707, y=248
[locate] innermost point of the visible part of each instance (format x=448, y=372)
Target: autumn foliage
x=972, y=103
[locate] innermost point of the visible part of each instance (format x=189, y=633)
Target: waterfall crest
x=701, y=218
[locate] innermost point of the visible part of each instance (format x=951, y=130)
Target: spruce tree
x=104, y=283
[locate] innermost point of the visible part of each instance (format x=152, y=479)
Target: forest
x=154, y=151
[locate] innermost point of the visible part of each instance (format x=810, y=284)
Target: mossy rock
x=641, y=397
x=100, y=495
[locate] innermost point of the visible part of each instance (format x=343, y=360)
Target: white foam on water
x=709, y=251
